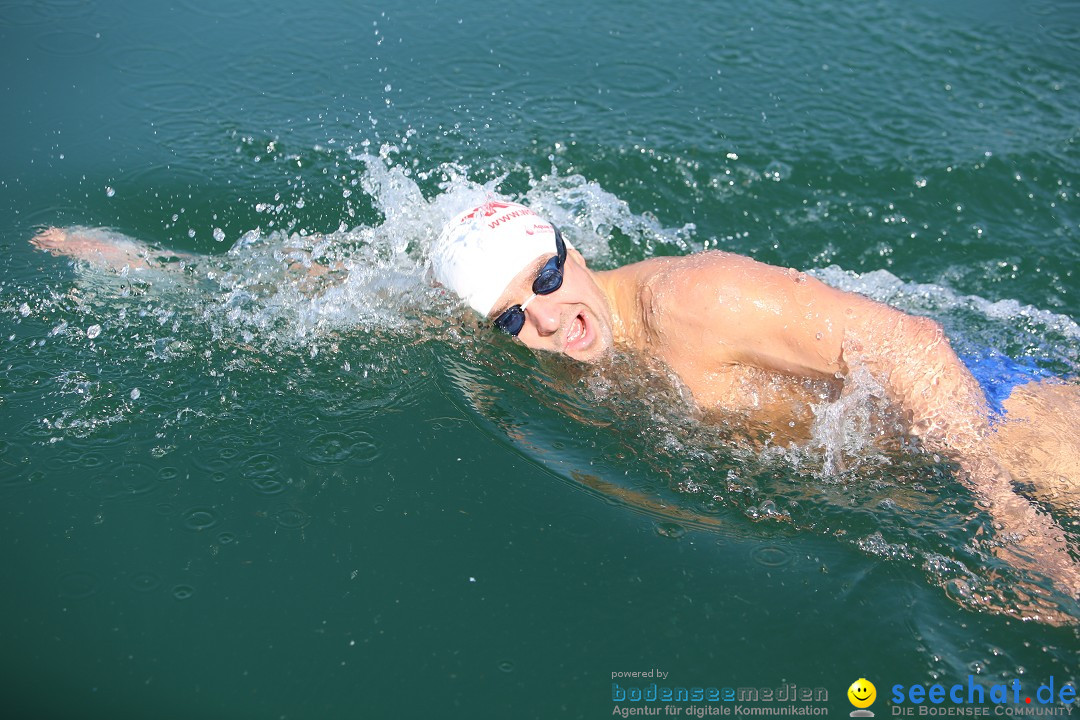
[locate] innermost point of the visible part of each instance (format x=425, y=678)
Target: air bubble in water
x=93, y=331
x=219, y=234
x=109, y=192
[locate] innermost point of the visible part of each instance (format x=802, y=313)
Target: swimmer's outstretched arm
x=739, y=311
x=104, y=249
x=118, y=253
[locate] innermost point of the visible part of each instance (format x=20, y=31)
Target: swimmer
x=722, y=323
x=726, y=325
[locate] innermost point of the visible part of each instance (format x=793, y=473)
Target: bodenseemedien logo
x=862, y=694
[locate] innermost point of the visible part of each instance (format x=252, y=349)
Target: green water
x=227, y=495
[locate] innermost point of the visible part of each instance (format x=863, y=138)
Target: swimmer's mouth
x=576, y=332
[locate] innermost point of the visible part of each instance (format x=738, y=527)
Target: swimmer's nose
x=544, y=316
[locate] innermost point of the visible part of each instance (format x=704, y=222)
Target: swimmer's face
x=574, y=320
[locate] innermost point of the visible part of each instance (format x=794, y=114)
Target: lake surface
x=233, y=491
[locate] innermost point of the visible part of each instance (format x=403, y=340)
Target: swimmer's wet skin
x=717, y=319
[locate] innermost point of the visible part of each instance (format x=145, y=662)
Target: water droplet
x=109, y=192
x=135, y=393
x=506, y=666
x=219, y=234
x=24, y=310
x=93, y=331
x=226, y=538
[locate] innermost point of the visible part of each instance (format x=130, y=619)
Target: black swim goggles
x=547, y=281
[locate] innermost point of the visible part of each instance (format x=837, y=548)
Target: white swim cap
x=481, y=250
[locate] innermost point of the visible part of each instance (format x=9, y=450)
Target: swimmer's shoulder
x=688, y=275
x=672, y=292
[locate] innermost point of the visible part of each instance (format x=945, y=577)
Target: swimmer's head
x=502, y=258
x=482, y=250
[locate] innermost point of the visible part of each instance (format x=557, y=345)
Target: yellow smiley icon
x=862, y=693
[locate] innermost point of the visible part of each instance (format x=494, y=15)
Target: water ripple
x=263, y=474
x=772, y=555
x=637, y=80
x=200, y=518
x=78, y=585
x=68, y=42
x=292, y=518
x=125, y=482
x=146, y=60
x=183, y=592
x=145, y=582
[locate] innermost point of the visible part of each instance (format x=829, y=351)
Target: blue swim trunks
x=998, y=374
